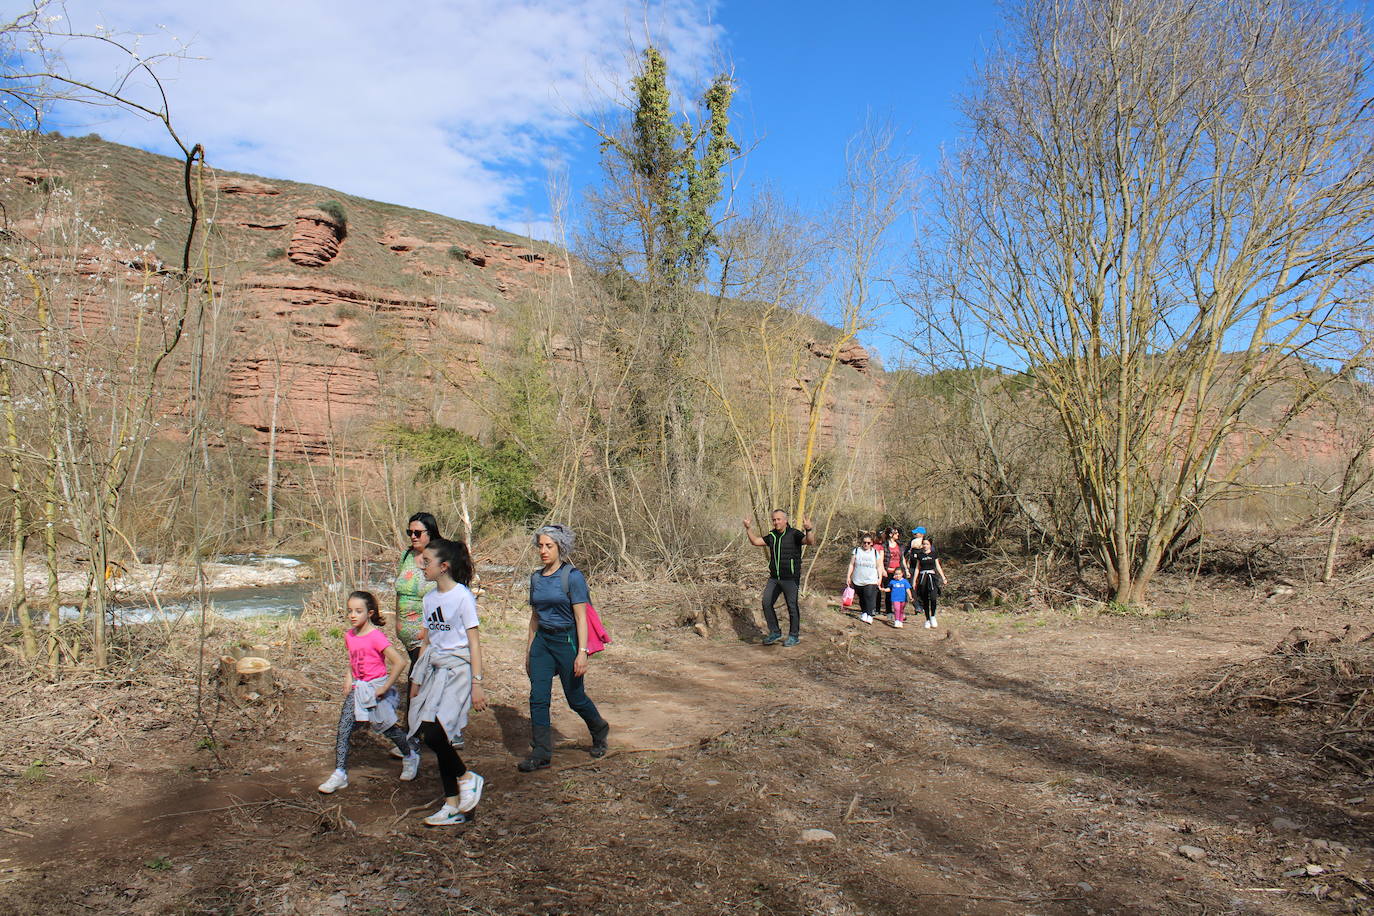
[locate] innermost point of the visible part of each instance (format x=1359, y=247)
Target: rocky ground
x=1009, y=762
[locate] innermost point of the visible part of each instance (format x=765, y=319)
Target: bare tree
x=1159, y=212
x=101, y=358
x=1351, y=407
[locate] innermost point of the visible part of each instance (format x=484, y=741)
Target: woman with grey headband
x=557, y=645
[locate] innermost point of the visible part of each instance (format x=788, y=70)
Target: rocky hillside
x=341, y=308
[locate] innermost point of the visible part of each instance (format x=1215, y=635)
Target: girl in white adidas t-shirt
x=447, y=680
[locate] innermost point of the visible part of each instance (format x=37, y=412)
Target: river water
x=271, y=601
x=268, y=601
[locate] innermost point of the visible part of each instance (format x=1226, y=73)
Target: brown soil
x=1032, y=763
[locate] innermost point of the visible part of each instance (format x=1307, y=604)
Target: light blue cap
x=918, y=531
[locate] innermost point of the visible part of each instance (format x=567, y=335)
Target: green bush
x=504, y=472
x=458, y=252
x=336, y=210
x=274, y=254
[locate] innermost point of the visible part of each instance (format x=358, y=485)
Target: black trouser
x=788, y=589
x=926, y=593
x=868, y=598
x=451, y=766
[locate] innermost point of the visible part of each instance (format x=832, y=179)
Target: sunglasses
x=415, y=533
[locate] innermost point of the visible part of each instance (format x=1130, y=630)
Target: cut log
x=254, y=677
x=228, y=670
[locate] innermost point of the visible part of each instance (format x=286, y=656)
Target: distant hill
x=347, y=307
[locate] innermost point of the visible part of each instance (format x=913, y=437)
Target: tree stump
x=254, y=677
x=245, y=674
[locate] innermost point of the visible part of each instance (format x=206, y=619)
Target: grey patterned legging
x=348, y=722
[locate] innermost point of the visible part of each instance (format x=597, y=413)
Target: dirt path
x=998, y=765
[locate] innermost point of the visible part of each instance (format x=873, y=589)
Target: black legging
x=927, y=590
x=868, y=598
x=451, y=766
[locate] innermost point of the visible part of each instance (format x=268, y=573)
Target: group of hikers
x=436, y=623
x=881, y=565
x=878, y=566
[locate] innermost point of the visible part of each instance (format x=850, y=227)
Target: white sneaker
x=934, y=622
x=927, y=623
x=898, y=624
x=337, y=780
x=866, y=618
x=469, y=791
x=447, y=816
x=410, y=766
x=396, y=752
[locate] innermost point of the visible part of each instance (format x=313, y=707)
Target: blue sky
x=810, y=77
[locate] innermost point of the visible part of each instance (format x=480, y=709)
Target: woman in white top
x=865, y=572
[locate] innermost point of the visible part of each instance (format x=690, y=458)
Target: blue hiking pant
x=553, y=654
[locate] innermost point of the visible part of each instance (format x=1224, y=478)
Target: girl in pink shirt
x=369, y=694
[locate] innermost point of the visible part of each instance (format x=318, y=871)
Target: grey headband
x=561, y=535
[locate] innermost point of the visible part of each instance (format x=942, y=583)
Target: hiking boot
x=599, y=734
x=772, y=638
x=541, y=749
x=410, y=767
x=469, y=791
x=336, y=781
x=447, y=816
x=791, y=640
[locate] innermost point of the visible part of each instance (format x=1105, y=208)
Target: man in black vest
x=784, y=545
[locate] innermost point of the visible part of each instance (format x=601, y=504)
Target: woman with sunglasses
x=411, y=584
x=865, y=565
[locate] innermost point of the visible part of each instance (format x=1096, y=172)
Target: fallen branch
x=849, y=812
x=261, y=804
x=415, y=809
x=620, y=751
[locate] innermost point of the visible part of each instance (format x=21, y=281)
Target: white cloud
x=448, y=105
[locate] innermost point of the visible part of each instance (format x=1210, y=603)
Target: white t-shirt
x=448, y=615
x=866, y=563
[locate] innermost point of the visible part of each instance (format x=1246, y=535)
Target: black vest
x=784, y=553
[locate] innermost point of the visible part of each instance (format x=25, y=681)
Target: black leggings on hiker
x=868, y=599
x=348, y=722
x=927, y=590
x=451, y=766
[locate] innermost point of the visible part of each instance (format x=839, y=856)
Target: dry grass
x=157, y=687
x=1320, y=683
